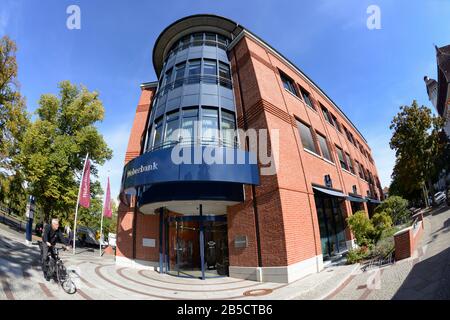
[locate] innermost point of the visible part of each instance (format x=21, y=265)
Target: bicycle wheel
x=68, y=286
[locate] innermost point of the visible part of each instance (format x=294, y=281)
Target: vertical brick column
x=126, y=214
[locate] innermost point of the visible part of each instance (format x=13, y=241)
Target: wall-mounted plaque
x=146, y=242
x=240, y=242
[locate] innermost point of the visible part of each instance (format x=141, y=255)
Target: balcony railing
x=225, y=143
x=210, y=79
x=198, y=43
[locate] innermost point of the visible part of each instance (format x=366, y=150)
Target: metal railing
x=8, y=219
x=195, y=79
x=197, y=43
x=226, y=143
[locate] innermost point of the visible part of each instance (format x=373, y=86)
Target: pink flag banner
x=85, y=194
x=107, y=212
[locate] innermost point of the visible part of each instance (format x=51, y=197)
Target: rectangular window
x=324, y=147
x=209, y=71
x=306, y=96
x=210, y=39
x=306, y=137
x=341, y=158
x=360, y=171
x=170, y=137
x=350, y=163
x=228, y=126
x=185, y=42
x=210, y=125
x=194, y=71
x=337, y=124
x=189, y=125
x=222, y=41
x=225, y=75
x=288, y=84
x=179, y=74
x=326, y=114
x=157, y=133
x=167, y=80
x=197, y=39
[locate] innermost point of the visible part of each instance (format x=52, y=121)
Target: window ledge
x=300, y=99
x=319, y=156
x=349, y=172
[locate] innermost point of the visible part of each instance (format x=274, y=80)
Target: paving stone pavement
x=99, y=278
x=425, y=276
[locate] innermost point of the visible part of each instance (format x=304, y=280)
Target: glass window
x=157, y=133
x=209, y=71
x=336, y=123
x=324, y=147
x=170, y=137
x=185, y=41
x=326, y=115
x=306, y=97
x=225, y=75
x=350, y=163
x=210, y=125
x=167, y=80
x=222, y=41
x=179, y=74
x=288, y=84
x=306, y=137
x=210, y=39
x=341, y=158
x=194, y=71
x=189, y=125
x=197, y=39
x=228, y=126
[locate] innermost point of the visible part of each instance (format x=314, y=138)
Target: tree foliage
x=13, y=122
x=397, y=208
x=418, y=147
x=54, y=147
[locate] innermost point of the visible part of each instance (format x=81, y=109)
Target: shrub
x=362, y=228
x=357, y=255
x=381, y=222
x=397, y=208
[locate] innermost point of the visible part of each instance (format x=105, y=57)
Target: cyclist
x=50, y=237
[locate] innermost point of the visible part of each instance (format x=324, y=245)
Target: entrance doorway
x=197, y=246
x=331, y=225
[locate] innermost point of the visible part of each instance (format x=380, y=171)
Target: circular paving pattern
x=257, y=292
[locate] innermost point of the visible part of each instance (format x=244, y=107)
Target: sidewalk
x=99, y=278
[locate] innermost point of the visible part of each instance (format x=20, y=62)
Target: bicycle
x=58, y=271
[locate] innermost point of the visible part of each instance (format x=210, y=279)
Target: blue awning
x=356, y=199
x=373, y=201
x=331, y=192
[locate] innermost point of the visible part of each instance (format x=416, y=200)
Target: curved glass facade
x=194, y=101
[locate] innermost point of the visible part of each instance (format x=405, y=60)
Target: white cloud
x=117, y=140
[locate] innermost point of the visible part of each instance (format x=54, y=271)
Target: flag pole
x=76, y=208
x=101, y=234
x=103, y=213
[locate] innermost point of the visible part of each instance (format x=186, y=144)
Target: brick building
x=200, y=220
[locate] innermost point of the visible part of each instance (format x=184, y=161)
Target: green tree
x=54, y=147
x=13, y=123
x=416, y=141
x=397, y=208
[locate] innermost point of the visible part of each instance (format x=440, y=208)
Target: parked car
x=448, y=197
x=439, y=198
x=88, y=237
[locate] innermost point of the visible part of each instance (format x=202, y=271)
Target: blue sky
x=368, y=73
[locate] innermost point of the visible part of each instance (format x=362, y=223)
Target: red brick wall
x=126, y=213
x=406, y=242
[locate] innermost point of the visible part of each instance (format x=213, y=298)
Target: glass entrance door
x=191, y=255
x=331, y=225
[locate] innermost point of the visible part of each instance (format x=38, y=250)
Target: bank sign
x=198, y=163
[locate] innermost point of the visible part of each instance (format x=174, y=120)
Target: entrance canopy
x=374, y=201
x=330, y=192
x=356, y=199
